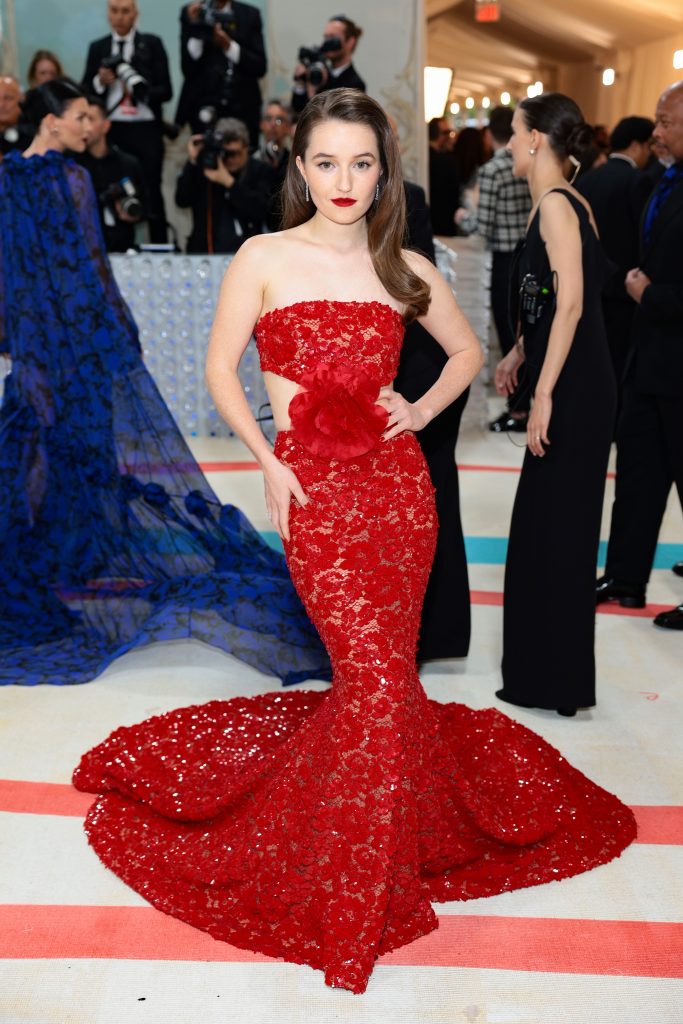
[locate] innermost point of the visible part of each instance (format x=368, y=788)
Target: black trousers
x=445, y=626
x=649, y=461
x=503, y=318
x=144, y=140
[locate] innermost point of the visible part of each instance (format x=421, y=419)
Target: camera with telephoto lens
x=124, y=192
x=211, y=151
x=135, y=85
x=316, y=60
x=209, y=15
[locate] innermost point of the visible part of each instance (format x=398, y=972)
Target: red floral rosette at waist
x=337, y=416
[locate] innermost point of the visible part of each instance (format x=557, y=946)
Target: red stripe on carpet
x=627, y=948
x=464, y=467
x=657, y=825
x=227, y=467
x=43, y=798
x=495, y=598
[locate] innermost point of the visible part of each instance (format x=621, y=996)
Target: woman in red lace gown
x=319, y=827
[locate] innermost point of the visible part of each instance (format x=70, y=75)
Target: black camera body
x=124, y=192
x=533, y=298
x=209, y=15
x=209, y=155
x=316, y=60
x=133, y=82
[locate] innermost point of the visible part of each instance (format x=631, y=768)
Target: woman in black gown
x=549, y=604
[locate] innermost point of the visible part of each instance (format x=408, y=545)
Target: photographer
x=328, y=66
x=129, y=70
x=222, y=56
x=118, y=181
x=276, y=128
x=227, y=190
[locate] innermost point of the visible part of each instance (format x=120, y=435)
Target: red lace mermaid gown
x=319, y=827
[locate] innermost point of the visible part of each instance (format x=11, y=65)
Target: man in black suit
x=338, y=71
x=227, y=190
x=14, y=134
x=133, y=98
x=117, y=179
x=617, y=192
x=222, y=55
x=649, y=448
x=444, y=187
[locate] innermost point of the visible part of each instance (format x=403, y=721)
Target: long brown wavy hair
x=386, y=218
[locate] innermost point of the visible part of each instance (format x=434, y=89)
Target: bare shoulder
x=557, y=213
x=420, y=265
x=262, y=256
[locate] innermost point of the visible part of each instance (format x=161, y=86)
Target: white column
x=8, y=39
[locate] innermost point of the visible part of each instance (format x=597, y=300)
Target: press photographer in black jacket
x=331, y=67
x=227, y=190
x=118, y=181
x=222, y=55
x=129, y=69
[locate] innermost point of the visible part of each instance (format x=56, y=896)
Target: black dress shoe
x=672, y=619
x=677, y=568
x=505, y=423
x=566, y=712
x=629, y=595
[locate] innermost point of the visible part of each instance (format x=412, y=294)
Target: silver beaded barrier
x=173, y=299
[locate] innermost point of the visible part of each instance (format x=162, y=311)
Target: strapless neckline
x=292, y=306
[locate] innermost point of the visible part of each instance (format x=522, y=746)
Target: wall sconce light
x=455, y=108
x=678, y=59
x=505, y=99
x=469, y=102
x=608, y=76
x=437, y=84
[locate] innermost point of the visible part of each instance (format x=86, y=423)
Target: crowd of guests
x=238, y=147
x=237, y=156
x=632, y=180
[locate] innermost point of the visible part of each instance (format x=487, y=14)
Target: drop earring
x=532, y=152
x=377, y=193
x=308, y=194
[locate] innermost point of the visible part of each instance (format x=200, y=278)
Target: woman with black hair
x=110, y=536
x=549, y=603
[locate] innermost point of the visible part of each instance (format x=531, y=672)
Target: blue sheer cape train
x=110, y=535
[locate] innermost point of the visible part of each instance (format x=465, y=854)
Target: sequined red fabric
x=319, y=827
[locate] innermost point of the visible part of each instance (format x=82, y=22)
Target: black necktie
x=120, y=43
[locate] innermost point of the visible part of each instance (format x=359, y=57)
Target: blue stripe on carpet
x=492, y=550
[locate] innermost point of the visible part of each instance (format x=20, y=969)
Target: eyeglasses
x=275, y=120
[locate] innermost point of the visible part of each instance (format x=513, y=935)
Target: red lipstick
x=344, y=202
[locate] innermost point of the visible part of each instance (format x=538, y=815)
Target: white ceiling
x=533, y=35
